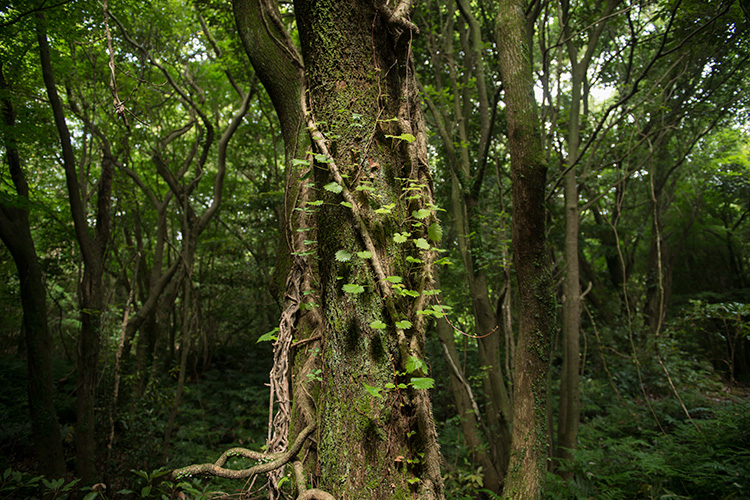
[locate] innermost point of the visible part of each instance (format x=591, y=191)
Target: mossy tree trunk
x=375, y=440
x=528, y=460
x=359, y=372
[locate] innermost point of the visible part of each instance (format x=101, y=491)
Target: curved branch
x=222, y=160
x=217, y=468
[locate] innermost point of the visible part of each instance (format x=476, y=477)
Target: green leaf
x=346, y=204
x=445, y=261
x=411, y=259
x=422, y=243
x=422, y=382
x=422, y=213
x=364, y=254
x=385, y=209
x=375, y=391
x=296, y=162
x=395, y=279
x=343, y=256
x=322, y=158
x=401, y=237
x=316, y=203
x=414, y=364
x=403, y=324
x=435, y=232
x=272, y=335
x=353, y=288
x=378, y=325
x=91, y=496
x=390, y=385
x=403, y=137
x=413, y=480
x=333, y=187
x=364, y=187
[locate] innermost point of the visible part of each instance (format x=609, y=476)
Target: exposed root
x=217, y=468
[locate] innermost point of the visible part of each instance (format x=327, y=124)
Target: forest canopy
x=334, y=249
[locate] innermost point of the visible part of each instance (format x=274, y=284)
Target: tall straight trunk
x=570, y=399
x=529, y=449
x=15, y=232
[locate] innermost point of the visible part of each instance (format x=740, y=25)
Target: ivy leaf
x=266, y=337
x=353, y=288
x=378, y=325
x=296, y=162
x=333, y=187
x=346, y=204
x=422, y=213
x=395, y=279
x=400, y=237
x=322, y=158
x=364, y=255
x=422, y=382
x=422, y=243
x=435, y=232
x=364, y=187
x=411, y=259
x=385, y=209
x=343, y=256
x=403, y=324
x=403, y=137
x=414, y=364
x=315, y=203
x=375, y=391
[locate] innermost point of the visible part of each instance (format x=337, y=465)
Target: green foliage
x=621, y=458
x=16, y=485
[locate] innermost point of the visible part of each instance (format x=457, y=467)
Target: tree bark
x=361, y=85
x=15, y=233
x=528, y=459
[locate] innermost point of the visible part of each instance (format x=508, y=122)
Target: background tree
x=529, y=444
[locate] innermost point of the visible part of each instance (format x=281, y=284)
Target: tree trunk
x=376, y=434
x=528, y=459
x=15, y=233
x=570, y=399
x=93, y=247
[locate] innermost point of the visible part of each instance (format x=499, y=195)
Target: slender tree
x=529, y=450
x=93, y=245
